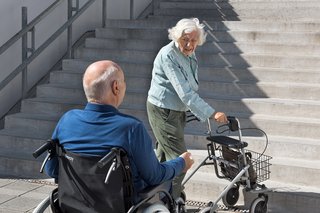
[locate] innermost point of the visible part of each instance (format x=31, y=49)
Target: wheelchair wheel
x=205, y=210
x=155, y=208
x=44, y=206
x=259, y=205
x=231, y=197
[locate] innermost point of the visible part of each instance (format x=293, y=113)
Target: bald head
x=103, y=82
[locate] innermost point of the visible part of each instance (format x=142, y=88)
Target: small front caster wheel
x=231, y=197
x=259, y=205
x=209, y=208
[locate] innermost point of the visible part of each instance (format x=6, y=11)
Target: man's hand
x=188, y=160
x=220, y=117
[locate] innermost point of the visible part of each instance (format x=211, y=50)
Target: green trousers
x=168, y=128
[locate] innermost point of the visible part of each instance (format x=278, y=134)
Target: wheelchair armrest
x=152, y=190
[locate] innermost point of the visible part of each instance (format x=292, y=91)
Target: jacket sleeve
x=149, y=168
x=189, y=97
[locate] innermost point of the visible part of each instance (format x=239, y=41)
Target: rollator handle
x=233, y=123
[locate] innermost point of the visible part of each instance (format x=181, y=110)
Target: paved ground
x=22, y=196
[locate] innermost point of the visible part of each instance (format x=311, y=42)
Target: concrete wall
x=10, y=16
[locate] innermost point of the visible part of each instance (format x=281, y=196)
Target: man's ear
x=115, y=87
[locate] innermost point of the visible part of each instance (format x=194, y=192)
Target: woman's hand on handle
x=219, y=117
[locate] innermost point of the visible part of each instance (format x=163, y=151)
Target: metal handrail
x=18, y=35
x=35, y=53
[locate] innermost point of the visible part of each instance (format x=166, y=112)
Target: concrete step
x=124, y=44
x=125, y=33
x=288, y=90
x=236, y=104
x=310, y=125
x=75, y=78
x=296, y=171
x=308, y=148
x=205, y=187
x=17, y=146
x=276, y=146
x=62, y=91
x=307, y=14
x=44, y=123
x=209, y=47
x=254, y=74
x=16, y=153
x=251, y=9
x=15, y=166
x=50, y=105
x=236, y=1
x=237, y=5
x=273, y=125
x=216, y=60
x=280, y=107
x=79, y=65
x=259, y=74
x=164, y=22
x=294, y=91
x=231, y=35
x=291, y=38
x=279, y=169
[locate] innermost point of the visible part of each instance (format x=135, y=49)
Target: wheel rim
x=259, y=205
x=231, y=197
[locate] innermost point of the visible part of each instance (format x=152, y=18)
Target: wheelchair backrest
x=83, y=186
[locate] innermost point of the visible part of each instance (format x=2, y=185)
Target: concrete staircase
x=260, y=63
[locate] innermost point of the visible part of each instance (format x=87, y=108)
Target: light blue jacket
x=174, y=83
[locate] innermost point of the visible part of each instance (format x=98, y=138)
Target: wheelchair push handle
x=107, y=158
x=46, y=146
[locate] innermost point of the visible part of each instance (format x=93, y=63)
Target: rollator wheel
x=259, y=205
x=231, y=197
x=208, y=208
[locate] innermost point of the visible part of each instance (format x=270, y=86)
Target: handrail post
x=104, y=13
x=24, y=51
x=69, y=30
x=155, y=5
x=131, y=9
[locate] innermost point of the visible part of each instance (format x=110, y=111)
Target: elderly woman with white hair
x=173, y=91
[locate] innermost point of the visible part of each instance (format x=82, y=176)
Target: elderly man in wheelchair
x=103, y=160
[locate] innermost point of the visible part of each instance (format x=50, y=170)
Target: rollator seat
x=227, y=141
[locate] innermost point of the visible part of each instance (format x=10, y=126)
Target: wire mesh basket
x=261, y=164
x=259, y=169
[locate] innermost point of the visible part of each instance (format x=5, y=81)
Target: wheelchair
x=99, y=184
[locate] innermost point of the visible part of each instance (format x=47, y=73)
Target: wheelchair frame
x=240, y=169
x=113, y=156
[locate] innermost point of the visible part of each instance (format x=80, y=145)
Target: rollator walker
x=238, y=165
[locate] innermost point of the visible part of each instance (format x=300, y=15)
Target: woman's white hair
x=187, y=25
